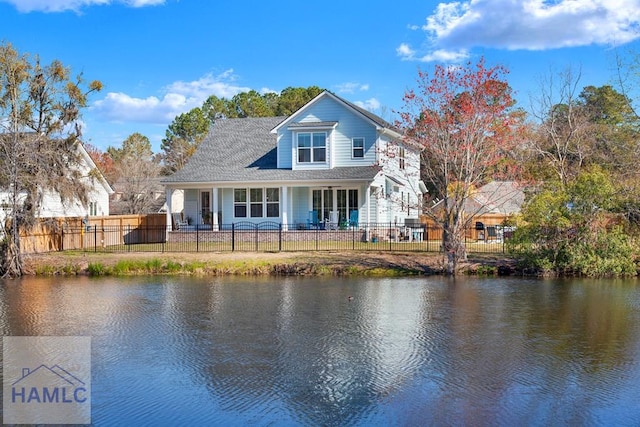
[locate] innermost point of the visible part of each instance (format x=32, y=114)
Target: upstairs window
x=357, y=148
x=401, y=158
x=312, y=147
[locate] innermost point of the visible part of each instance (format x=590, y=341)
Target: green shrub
x=45, y=270
x=153, y=265
x=96, y=269
x=173, y=267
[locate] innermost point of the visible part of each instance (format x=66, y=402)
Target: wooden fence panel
x=57, y=234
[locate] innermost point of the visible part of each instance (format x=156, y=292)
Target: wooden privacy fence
x=60, y=234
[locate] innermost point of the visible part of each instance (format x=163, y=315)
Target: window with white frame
x=273, y=202
x=93, y=208
x=401, y=157
x=312, y=147
x=256, y=202
x=260, y=203
x=357, y=148
x=240, y=203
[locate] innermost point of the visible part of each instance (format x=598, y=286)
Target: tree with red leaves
x=103, y=161
x=463, y=121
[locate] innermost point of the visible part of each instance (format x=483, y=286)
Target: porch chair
x=312, y=221
x=333, y=220
x=353, y=218
x=178, y=222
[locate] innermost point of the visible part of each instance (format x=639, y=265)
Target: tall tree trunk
x=453, y=245
x=11, y=258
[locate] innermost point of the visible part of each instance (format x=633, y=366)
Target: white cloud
x=456, y=27
x=405, y=52
x=178, y=97
x=371, y=104
x=74, y=5
x=352, y=87
x=266, y=90
x=438, y=55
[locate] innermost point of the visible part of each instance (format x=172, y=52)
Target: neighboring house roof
x=245, y=150
x=500, y=197
x=156, y=195
x=505, y=197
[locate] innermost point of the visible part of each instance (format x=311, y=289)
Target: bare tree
x=39, y=137
x=563, y=135
x=138, y=171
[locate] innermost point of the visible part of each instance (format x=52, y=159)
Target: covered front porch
x=298, y=207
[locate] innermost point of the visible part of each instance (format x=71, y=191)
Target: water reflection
x=301, y=351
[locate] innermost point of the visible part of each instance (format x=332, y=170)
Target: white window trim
x=326, y=147
x=353, y=148
x=248, y=203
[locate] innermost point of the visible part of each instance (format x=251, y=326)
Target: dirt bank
x=285, y=262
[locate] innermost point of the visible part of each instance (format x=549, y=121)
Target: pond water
x=336, y=351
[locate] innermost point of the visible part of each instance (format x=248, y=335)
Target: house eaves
x=312, y=125
x=87, y=158
x=377, y=121
x=230, y=178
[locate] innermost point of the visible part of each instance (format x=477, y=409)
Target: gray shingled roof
x=245, y=150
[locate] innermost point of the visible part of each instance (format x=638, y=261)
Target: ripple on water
x=300, y=352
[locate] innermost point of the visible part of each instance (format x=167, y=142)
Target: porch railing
x=269, y=237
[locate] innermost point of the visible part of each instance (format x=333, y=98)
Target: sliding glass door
x=331, y=199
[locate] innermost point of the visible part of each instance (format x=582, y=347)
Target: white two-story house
x=330, y=163
x=52, y=206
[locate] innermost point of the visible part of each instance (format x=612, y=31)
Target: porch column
x=168, y=193
x=214, y=209
x=367, y=206
x=285, y=208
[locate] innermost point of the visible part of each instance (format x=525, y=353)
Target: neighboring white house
x=330, y=161
x=52, y=206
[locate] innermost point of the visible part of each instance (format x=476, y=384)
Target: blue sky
x=160, y=58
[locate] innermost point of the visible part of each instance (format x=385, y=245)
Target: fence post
x=129, y=234
x=280, y=238
x=257, y=236
x=390, y=249
x=233, y=236
x=353, y=238
x=197, y=238
x=95, y=238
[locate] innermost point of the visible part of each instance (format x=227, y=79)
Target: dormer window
x=312, y=147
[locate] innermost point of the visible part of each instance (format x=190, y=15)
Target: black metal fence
x=269, y=237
